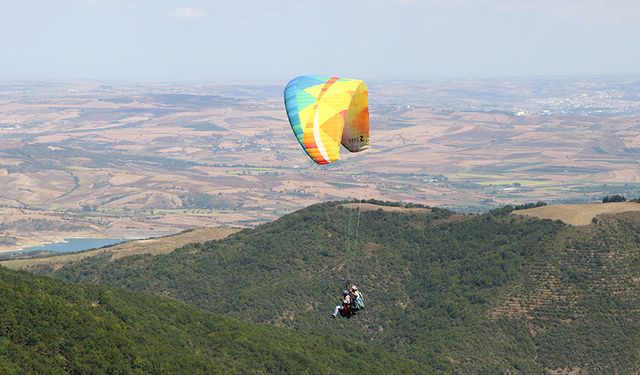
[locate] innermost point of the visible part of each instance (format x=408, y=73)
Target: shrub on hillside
x=530, y=205
x=614, y=198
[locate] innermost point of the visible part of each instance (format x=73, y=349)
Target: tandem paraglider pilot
x=351, y=301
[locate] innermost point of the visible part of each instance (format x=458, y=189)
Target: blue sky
x=171, y=40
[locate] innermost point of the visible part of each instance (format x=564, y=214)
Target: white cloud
x=188, y=13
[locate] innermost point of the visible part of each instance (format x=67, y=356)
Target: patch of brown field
x=374, y=207
x=622, y=175
x=579, y=214
x=125, y=178
x=28, y=188
x=154, y=246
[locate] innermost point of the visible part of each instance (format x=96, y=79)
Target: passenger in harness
x=344, y=309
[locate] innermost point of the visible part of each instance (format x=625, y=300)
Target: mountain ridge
x=433, y=283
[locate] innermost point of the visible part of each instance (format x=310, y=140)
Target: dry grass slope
x=579, y=214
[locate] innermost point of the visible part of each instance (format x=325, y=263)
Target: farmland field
x=83, y=159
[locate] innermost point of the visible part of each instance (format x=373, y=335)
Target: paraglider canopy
x=327, y=112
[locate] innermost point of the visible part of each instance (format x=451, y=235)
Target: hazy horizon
x=140, y=40
x=282, y=81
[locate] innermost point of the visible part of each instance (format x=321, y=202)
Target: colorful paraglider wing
x=327, y=112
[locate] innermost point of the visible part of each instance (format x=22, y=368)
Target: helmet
x=345, y=293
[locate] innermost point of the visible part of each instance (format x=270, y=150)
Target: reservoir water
x=75, y=244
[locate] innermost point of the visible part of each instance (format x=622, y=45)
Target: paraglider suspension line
x=346, y=255
x=351, y=248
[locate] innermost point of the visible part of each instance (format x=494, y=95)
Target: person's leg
x=335, y=311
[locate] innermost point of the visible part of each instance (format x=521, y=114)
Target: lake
x=75, y=244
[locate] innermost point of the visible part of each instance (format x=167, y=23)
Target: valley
x=84, y=159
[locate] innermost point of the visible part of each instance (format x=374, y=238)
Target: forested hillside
x=491, y=293
x=51, y=327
